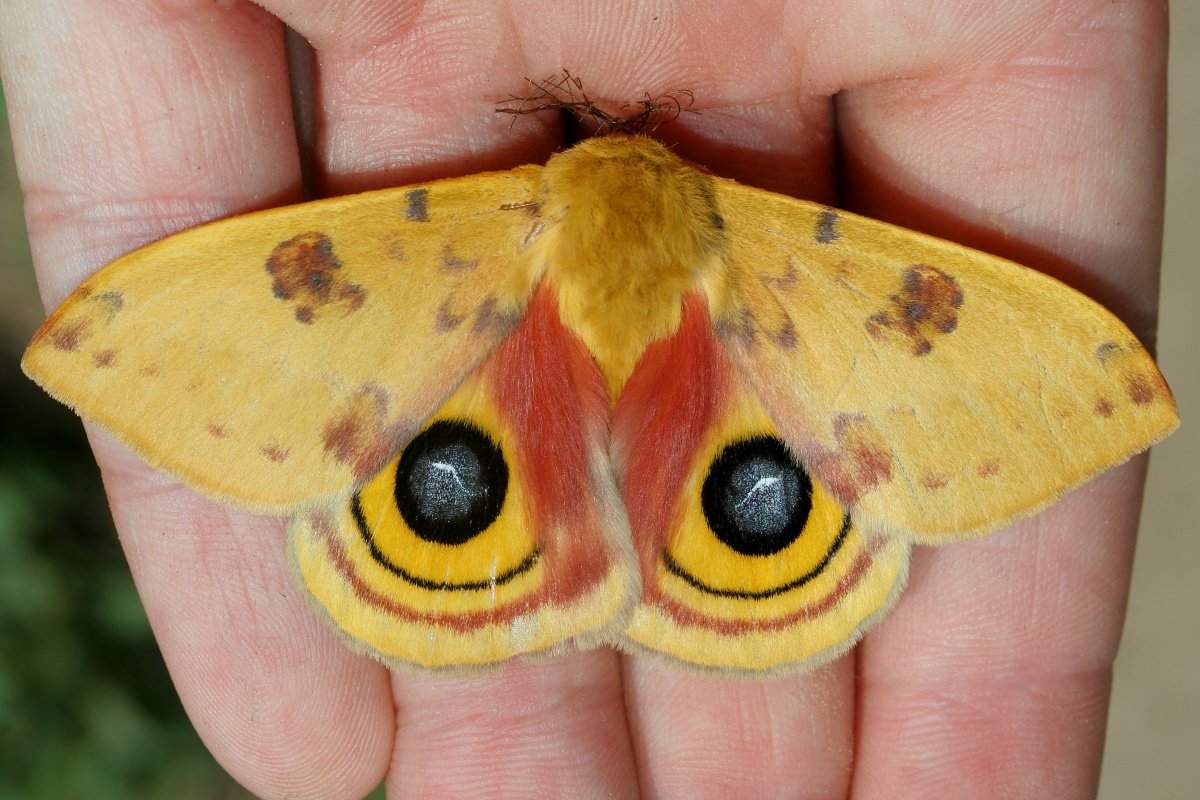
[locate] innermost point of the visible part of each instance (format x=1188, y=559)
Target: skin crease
x=1032, y=129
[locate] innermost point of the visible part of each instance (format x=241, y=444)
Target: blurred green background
x=87, y=709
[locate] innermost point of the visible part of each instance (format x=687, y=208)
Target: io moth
x=609, y=400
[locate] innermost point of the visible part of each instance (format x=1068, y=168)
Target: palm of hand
x=988, y=677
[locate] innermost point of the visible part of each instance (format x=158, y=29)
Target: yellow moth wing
x=498, y=531
x=748, y=563
x=284, y=356
x=938, y=389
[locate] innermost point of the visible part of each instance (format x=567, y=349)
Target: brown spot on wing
x=417, y=209
x=358, y=433
x=104, y=358
x=489, y=318
x=739, y=329
x=306, y=274
x=931, y=482
x=783, y=283
x=69, y=335
x=452, y=263
x=827, y=230
x=217, y=431
x=1105, y=351
x=1140, y=390
x=393, y=245
x=112, y=300
x=1104, y=407
x=785, y=337
x=446, y=320
x=988, y=468
x=1127, y=362
x=862, y=452
x=926, y=307
x=275, y=452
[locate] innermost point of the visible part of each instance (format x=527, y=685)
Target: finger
x=992, y=677
x=394, y=112
x=1041, y=144
x=163, y=118
x=710, y=737
x=555, y=729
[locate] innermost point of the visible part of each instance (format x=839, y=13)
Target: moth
x=613, y=399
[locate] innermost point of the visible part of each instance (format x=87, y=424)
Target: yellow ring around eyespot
x=696, y=550
x=402, y=641
x=821, y=637
x=701, y=571
x=498, y=565
x=807, y=588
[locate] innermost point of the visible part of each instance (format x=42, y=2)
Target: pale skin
x=1031, y=129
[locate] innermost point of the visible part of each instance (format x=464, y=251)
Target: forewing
x=283, y=357
x=937, y=389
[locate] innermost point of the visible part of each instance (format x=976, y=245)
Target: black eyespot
x=451, y=482
x=756, y=498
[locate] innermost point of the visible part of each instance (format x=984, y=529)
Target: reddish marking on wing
x=931, y=483
x=69, y=335
x=275, y=452
x=1140, y=390
x=87, y=311
x=864, y=456
x=217, y=431
x=488, y=318
x=1127, y=362
x=104, y=358
x=394, y=246
x=359, y=435
x=988, y=468
x=553, y=400
x=926, y=307
x=676, y=392
x=461, y=622
x=305, y=271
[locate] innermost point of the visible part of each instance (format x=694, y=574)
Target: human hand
x=1028, y=130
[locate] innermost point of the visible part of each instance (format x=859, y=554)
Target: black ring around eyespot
x=501, y=579
x=675, y=569
x=458, y=516
x=715, y=497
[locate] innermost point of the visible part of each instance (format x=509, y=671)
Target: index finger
x=992, y=676
x=132, y=121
